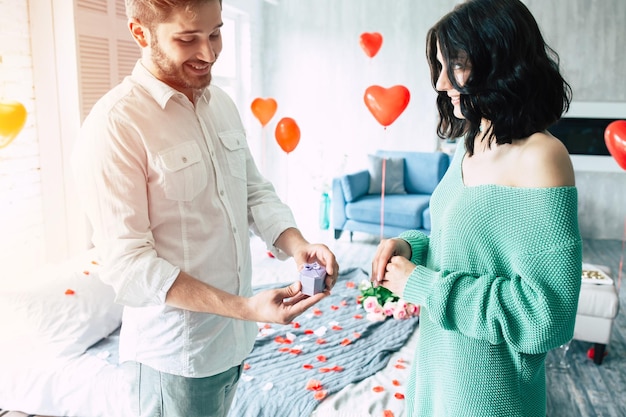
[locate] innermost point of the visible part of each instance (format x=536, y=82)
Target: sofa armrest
x=338, y=205
x=355, y=185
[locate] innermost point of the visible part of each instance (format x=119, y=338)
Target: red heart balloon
x=386, y=104
x=371, y=43
x=615, y=139
x=264, y=109
x=287, y=134
x=12, y=119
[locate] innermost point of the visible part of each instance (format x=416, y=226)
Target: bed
x=59, y=338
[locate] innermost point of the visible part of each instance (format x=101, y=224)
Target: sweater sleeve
x=533, y=309
x=419, y=245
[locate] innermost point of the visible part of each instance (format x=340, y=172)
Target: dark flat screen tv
x=581, y=135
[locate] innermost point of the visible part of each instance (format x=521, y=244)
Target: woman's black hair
x=514, y=80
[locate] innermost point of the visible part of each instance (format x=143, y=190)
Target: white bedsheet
x=91, y=385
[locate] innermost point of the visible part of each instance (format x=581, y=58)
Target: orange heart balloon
x=371, y=43
x=12, y=119
x=386, y=104
x=287, y=134
x=264, y=109
x=615, y=139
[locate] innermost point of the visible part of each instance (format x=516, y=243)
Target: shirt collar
x=160, y=91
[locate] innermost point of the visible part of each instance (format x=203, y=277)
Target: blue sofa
x=355, y=210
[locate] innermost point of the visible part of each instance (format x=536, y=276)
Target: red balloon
x=615, y=139
x=386, y=104
x=371, y=43
x=287, y=134
x=264, y=109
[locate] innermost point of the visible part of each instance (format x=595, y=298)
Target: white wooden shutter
x=106, y=51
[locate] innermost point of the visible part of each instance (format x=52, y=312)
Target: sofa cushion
x=422, y=170
x=394, y=175
x=355, y=185
x=400, y=210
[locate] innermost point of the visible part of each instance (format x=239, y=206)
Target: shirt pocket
x=235, y=149
x=184, y=173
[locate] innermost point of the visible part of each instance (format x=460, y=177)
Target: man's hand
x=281, y=305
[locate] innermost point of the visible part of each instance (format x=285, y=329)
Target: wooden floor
x=584, y=389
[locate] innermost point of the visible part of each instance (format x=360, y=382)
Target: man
x=171, y=191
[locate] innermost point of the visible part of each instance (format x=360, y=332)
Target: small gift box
x=312, y=278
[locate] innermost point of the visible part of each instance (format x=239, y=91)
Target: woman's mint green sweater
x=498, y=281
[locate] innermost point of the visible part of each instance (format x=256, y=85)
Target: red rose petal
x=396, y=382
x=295, y=351
x=320, y=341
x=307, y=366
x=295, y=325
x=399, y=395
x=86, y=272
x=317, y=312
x=321, y=358
x=267, y=326
x=356, y=335
x=345, y=342
x=398, y=366
x=69, y=292
x=284, y=349
x=350, y=284
x=320, y=395
x=378, y=388
x=337, y=368
x=344, y=303
x=325, y=370
x=314, y=385
x=337, y=328
x=358, y=316
x=388, y=413
x=333, y=307
x=246, y=366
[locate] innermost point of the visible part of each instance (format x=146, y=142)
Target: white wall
x=21, y=215
x=314, y=67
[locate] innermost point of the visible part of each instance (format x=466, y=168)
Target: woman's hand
x=391, y=266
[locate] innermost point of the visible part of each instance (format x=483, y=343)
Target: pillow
x=60, y=313
x=394, y=175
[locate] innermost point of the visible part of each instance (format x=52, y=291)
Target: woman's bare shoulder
x=545, y=162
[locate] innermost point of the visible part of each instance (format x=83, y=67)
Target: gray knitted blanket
x=292, y=367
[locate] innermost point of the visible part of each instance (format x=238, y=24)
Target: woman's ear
x=139, y=32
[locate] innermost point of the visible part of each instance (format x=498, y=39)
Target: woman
x=499, y=277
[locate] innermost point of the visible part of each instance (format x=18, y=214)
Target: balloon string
x=382, y=200
x=621, y=260
x=287, y=182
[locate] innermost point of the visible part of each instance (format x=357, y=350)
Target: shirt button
x=234, y=230
x=184, y=159
x=222, y=192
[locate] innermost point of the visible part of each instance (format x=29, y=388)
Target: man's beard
x=173, y=74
